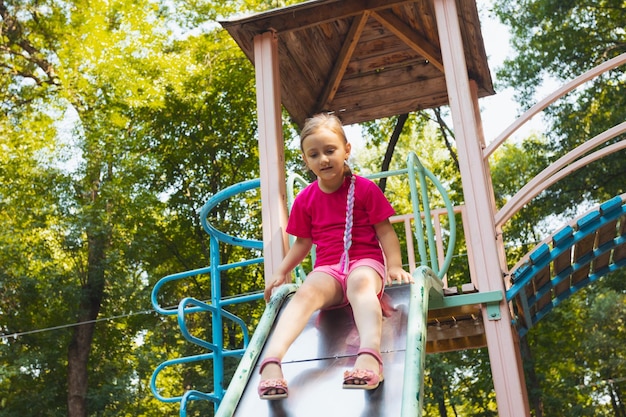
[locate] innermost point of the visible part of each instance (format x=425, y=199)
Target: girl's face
x=324, y=152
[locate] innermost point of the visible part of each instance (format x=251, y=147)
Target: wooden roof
x=363, y=59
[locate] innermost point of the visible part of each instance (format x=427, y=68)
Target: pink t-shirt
x=322, y=217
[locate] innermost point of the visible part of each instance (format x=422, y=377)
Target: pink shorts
x=336, y=272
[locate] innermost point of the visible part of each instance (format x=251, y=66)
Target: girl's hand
x=276, y=281
x=399, y=275
x=295, y=255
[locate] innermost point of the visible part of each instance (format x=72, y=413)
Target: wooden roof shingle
x=363, y=59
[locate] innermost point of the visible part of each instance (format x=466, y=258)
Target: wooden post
x=502, y=340
x=271, y=151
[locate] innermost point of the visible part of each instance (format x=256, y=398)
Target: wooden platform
x=455, y=328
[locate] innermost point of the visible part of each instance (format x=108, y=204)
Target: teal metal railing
x=426, y=287
x=216, y=307
x=427, y=277
x=427, y=284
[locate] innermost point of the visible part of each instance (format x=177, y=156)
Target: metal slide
x=315, y=363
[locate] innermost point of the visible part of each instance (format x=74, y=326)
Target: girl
x=347, y=217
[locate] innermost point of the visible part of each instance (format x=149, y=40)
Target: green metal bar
x=292, y=181
x=427, y=285
x=491, y=299
x=415, y=164
x=246, y=365
x=417, y=171
x=386, y=174
x=417, y=214
x=468, y=299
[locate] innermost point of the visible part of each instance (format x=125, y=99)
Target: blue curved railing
x=417, y=174
x=216, y=306
x=562, y=244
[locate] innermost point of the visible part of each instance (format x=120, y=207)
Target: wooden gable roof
x=363, y=59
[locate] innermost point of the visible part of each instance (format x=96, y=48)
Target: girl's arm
x=298, y=251
x=391, y=248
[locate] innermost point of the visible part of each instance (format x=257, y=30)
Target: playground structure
x=367, y=60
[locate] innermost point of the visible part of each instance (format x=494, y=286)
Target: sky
x=500, y=110
x=497, y=111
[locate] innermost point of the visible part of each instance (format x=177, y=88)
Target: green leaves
x=560, y=40
x=99, y=206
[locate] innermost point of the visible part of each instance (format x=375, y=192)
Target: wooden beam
x=619, y=253
x=271, y=153
x=503, y=343
x=343, y=59
x=414, y=40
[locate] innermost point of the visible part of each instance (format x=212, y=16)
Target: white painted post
x=271, y=151
x=502, y=341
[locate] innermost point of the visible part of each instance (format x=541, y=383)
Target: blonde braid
x=347, y=234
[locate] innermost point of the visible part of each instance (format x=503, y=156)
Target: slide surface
x=314, y=366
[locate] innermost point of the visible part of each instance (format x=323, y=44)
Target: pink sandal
x=277, y=385
x=354, y=379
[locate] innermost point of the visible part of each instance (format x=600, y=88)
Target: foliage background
x=119, y=119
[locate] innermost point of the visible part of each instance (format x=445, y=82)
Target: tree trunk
x=92, y=293
x=382, y=184
x=438, y=383
x=616, y=400
x=445, y=129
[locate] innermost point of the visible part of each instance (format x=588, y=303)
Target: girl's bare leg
x=363, y=285
x=318, y=291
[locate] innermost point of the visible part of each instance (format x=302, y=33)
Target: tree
x=559, y=40
x=116, y=130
